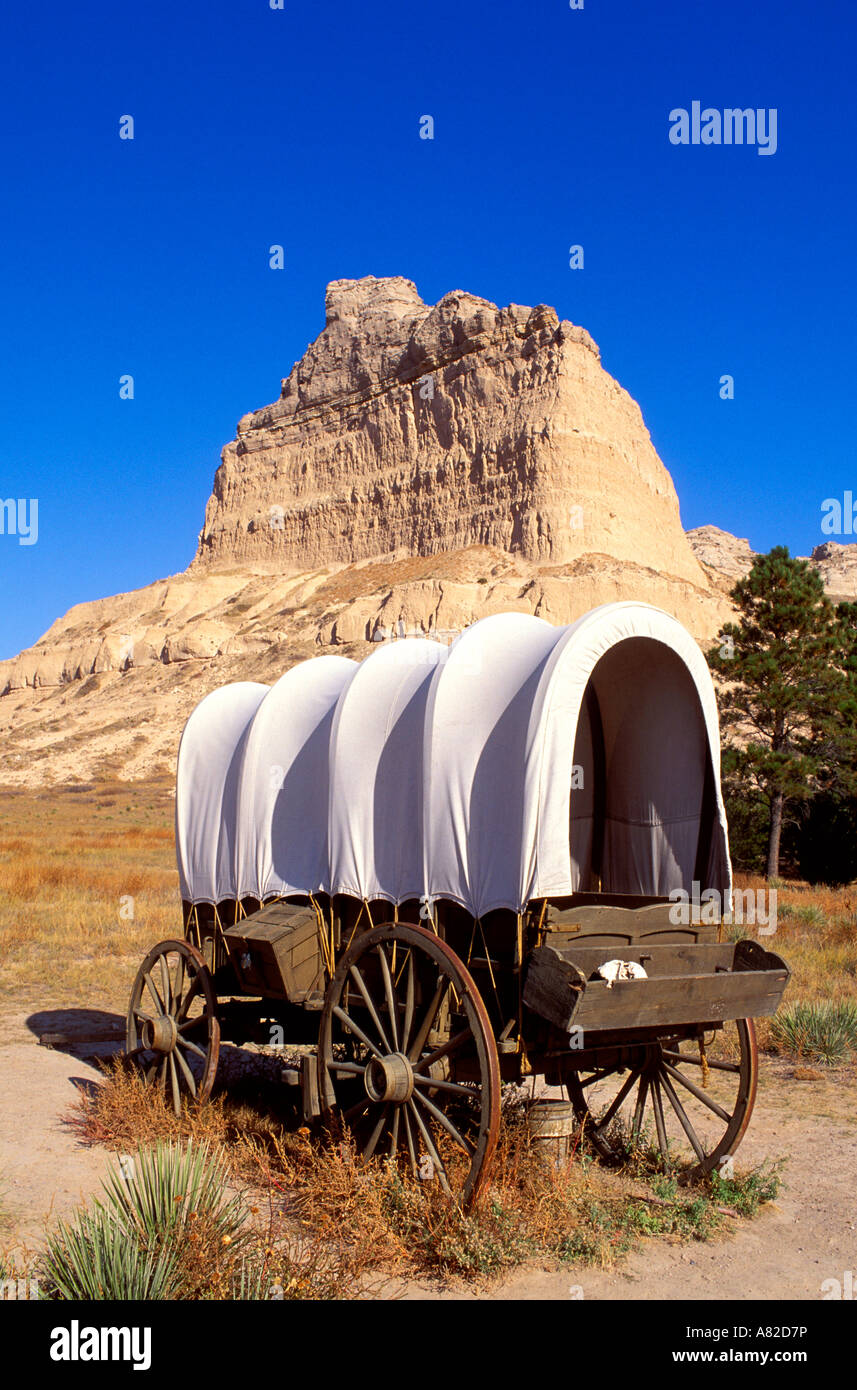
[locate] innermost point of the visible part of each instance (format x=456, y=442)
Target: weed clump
x=167, y=1228
x=822, y=1030
x=371, y=1221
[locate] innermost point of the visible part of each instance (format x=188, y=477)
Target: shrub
x=825, y=1030
x=807, y=914
x=158, y=1233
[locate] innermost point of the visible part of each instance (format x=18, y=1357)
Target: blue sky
x=301, y=127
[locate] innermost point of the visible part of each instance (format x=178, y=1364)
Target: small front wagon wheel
x=172, y=1031
x=407, y=1058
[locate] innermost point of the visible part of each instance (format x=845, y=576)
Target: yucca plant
x=160, y=1190
x=97, y=1257
x=163, y=1221
x=806, y=914
x=824, y=1030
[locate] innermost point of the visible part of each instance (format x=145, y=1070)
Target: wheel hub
x=389, y=1078
x=159, y=1034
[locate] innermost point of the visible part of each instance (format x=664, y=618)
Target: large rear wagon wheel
x=691, y=1103
x=172, y=1031
x=407, y=1059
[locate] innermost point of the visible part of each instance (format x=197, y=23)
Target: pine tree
x=784, y=699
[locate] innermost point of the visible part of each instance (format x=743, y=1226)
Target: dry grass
x=71, y=860
x=373, y=1222
x=817, y=936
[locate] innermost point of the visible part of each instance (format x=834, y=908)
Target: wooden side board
x=630, y=922
x=657, y=959
x=713, y=984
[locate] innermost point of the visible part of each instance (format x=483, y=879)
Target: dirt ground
x=807, y=1236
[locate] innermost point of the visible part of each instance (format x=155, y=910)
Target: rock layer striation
x=423, y=429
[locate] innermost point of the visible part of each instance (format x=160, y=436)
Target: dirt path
x=808, y=1236
x=44, y=1171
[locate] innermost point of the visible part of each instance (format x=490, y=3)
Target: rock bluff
x=416, y=429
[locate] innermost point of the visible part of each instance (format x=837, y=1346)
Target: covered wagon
x=442, y=868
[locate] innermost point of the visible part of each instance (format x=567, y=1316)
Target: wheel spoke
x=187, y=1025
x=660, y=1125
x=154, y=993
x=433, y=1010
x=689, y=1059
x=684, y=1119
x=165, y=984
x=178, y=984
x=162, y=1076
x=186, y=1071
x=618, y=1099
x=356, y=1110
x=444, y=1051
x=141, y=1013
x=193, y=1047
x=409, y=1004
x=174, y=1084
x=361, y=985
x=430, y=1146
x=698, y=1092
x=349, y=1023
x=597, y=1076
x=640, y=1107
x=412, y=1153
x=432, y=1083
x=444, y=1120
x=390, y=996
x=372, y=1141
x=193, y=991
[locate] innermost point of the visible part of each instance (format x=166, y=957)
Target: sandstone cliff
x=422, y=468
x=422, y=430
x=726, y=559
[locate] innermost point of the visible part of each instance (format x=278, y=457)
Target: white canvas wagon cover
x=525, y=761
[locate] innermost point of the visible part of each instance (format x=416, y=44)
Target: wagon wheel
x=407, y=1058
x=172, y=1031
x=693, y=1103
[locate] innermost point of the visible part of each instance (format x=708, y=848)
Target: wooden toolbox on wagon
x=277, y=952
